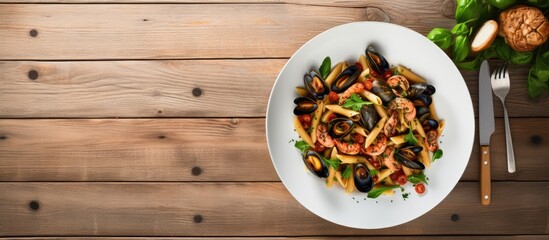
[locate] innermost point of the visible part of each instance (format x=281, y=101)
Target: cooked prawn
x=389, y=159
x=355, y=88
x=378, y=146
x=323, y=137
x=431, y=140
x=399, y=84
x=347, y=148
x=390, y=127
x=407, y=107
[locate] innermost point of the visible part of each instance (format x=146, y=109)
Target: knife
x=485, y=129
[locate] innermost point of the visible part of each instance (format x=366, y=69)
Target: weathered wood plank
x=229, y=88
x=244, y=209
x=134, y=150
x=168, y=31
x=468, y=237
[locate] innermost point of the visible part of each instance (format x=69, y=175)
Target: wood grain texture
x=468, y=237
x=164, y=31
x=244, y=209
x=131, y=150
x=230, y=88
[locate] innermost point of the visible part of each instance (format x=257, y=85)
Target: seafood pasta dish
x=367, y=126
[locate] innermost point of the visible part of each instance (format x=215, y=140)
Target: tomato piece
x=394, y=176
x=375, y=178
x=307, y=125
x=420, y=188
x=376, y=165
x=388, y=74
x=358, y=139
x=402, y=179
x=333, y=97
x=331, y=116
x=306, y=118
x=368, y=84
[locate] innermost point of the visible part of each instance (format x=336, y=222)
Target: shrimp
x=390, y=126
x=389, y=159
x=378, y=146
x=355, y=88
x=347, y=148
x=323, y=137
x=399, y=84
x=405, y=105
x=431, y=140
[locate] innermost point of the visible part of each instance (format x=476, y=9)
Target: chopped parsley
x=302, y=146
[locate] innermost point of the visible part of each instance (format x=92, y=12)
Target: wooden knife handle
x=485, y=181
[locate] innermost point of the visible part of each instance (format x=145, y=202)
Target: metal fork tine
x=498, y=72
x=505, y=72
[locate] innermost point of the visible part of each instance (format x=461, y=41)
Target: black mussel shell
x=408, y=157
x=423, y=100
x=304, y=105
x=363, y=180
x=416, y=89
x=315, y=164
x=430, y=90
x=345, y=79
x=429, y=124
x=316, y=85
x=376, y=62
x=423, y=113
x=340, y=127
x=383, y=91
x=369, y=116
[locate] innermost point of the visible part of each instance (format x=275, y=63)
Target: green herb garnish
x=410, y=138
x=355, y=102
x=325, y=67
x=373, y=172
x=334, y=163
x=417, y=178
x=377, y=191
x=347, y=172
x=405, y=195
x=436, y=155
x=302, y=146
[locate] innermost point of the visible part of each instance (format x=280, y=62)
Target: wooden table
x=142, y=119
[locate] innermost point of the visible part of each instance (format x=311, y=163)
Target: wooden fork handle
x=485, y=181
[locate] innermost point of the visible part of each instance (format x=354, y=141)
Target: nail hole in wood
x=196, y=171
x=197, y=218
x=536, y=139
x=197, y=92
x=34, y=205
x=161, y=137
x=33, y=74
x=455, y=217
x=2, y=137
x=159, y=111
x=144, y=20
x=33, y=33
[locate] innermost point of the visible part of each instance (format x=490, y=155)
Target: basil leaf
x=461, y=48
x=377, y=191
x=442, y=37
x=502, y=4
x=302, y=146
x=538, y=77
x=437, y=154
x=417, y=178
x=461, y=29
x=410, y=138
x=468, y=9
x=373, y=172
x=325, y=67
x=538, y=3
x=347, y=172
x=334, y=163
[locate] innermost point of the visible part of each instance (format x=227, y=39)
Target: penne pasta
x=360, y=130
x=375, y=131
x=371, y=97
x=362, y=61
x=325, y=116
x=397, y=140
x=316, y=119
x=354, y=159
x=363, y=76
x=382, y=174
x=419, y=129
x=408, y=74
x=333, y=74
x=381, y=111
x=301, y=91
x=353, y=115
x=440, y=128
x=350, y=184
x=424, y=154
x=302, y=133
x=340, y=180
x=406, y=170
x=331, y=176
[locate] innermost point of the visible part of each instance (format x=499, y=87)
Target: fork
x=501, y=85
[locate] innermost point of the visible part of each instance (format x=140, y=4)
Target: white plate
x=399, y=45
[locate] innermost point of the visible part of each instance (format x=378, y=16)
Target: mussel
x=430, y=90
x=363, y=179
x=340, y=127
x=416, y=89
x=376, y=62
x=345, y=79
x=369, y=116
x=423, y=100
x=304, y=105
x=407, y=156
x=429, y=124
x=383, y=90
x=316, y=85
x=314, y=163
x=423, y=113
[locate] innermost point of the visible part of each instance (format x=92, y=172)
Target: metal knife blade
x=485, y=105
x=485, y=129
